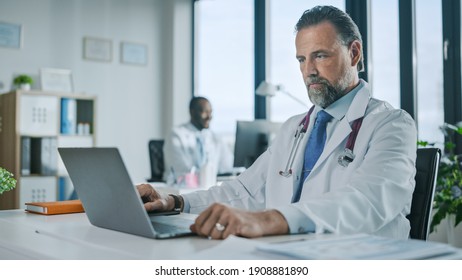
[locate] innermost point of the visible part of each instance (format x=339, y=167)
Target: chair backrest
x=156, y=157
x=427, y=163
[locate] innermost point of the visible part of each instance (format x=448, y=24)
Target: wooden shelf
x=37, y=115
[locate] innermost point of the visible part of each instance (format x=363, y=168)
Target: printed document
x=359, y=246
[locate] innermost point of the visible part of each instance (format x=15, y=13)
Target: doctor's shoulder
x=382, y=113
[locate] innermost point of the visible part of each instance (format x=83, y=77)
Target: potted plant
x=448, y=193
x=23, y=82
x=7, y=182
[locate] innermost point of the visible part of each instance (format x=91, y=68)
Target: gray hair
x=346, y=28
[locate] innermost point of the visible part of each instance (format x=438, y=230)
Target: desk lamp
x=269, y=90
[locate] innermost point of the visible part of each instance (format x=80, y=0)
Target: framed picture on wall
x=97, y=49
x=10, y=35
x=59, y=80
x=134, y=53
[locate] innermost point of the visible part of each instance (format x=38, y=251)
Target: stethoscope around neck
x=344, y=159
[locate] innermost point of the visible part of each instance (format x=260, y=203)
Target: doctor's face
x=328, y=66
x=201, y=114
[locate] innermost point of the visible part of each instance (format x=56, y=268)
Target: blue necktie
x=201, y=157
x=313, y=148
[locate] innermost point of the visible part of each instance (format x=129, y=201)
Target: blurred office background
x=223, y=49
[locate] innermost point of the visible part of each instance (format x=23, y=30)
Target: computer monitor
x=252, y=139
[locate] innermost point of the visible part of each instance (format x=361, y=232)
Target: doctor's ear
x=355, y=52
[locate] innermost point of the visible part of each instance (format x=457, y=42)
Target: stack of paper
x=359, y=246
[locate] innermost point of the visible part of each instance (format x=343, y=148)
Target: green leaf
x=7, y=182
x=449, y=145
x=422, y=143
x=440, y=213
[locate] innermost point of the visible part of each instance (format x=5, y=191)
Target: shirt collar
x=339, y=108
x=197, y=131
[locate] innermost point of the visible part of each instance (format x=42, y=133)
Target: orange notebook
x=55, y=207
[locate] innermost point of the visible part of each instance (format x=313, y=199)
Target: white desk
x=30, y=236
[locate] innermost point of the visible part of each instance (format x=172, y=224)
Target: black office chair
x=156, y=157
x=427, y=163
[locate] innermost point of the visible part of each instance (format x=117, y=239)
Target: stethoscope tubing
x=293, y=151
x=300, y=132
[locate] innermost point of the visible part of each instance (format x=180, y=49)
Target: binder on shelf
x=25, y=155
x=55, y=207
x=52, y=166
x=44, y=158
x=68, y=116
x=36, y=156
x=66, y=189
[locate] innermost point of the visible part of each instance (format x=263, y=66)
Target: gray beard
x=329, y=93
x=325, y=96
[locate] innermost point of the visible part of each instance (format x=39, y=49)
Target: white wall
x=134, y=103
x=178, y=65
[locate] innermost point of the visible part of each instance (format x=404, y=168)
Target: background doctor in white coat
x=194, y=144
x=372, y=194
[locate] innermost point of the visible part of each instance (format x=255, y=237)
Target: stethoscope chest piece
x=346, y=157
x=286, y=174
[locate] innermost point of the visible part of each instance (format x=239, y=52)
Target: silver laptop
x=111, y=200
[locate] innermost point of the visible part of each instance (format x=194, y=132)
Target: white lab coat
x=371, y=195
x=180, y=150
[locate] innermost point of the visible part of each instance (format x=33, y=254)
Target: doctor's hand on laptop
x=154, y=200
x=218, y=221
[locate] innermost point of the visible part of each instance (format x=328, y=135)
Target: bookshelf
x=33, y=124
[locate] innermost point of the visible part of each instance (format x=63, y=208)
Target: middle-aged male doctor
x=365, y=190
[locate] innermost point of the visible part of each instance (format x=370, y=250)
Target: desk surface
x=25, y=235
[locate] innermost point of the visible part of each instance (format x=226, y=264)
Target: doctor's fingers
x=231, y=222
x=147, y=192
x=212, y=220
x=156, y=205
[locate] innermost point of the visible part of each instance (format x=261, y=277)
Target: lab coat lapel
x=341, y=132
x=357, y=110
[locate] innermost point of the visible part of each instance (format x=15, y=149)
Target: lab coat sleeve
x=236, y=193
x=378, y=190
x=176, y=156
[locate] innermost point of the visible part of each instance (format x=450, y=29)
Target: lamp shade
x=266, y=89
